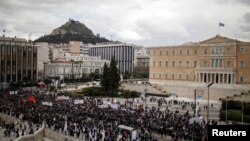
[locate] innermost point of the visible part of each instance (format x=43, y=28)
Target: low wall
x=37, y=136
x=47, y=133
x=7, y=118
x=186, y=89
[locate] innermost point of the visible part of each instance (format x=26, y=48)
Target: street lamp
x=145, y=94
x=209, y=85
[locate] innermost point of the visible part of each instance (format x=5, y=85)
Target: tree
x=114, y=82
x=105, y=79
x=84, y=76
x=126, y=75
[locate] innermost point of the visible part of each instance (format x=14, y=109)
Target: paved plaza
x=174, y=104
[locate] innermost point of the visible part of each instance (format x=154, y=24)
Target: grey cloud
x=156, y=22
x=245, y=28
x=246, y=17
x=245, y=23
x=247, y=2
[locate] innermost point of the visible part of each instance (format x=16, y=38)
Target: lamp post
x=146, y=94
x=226, y=99
x=226, y=106
x=208, y=86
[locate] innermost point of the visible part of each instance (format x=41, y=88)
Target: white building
x=74, y=65
x=42, y=57
x=123, y=53
x=141, y=53
x=84, y=49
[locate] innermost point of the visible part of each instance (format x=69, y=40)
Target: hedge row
x=236, y=105
x=234, y=115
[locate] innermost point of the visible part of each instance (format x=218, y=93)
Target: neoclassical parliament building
x=218, y=60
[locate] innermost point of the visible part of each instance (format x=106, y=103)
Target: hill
x=72, y=31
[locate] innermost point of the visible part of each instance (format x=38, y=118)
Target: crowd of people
x=91, y=122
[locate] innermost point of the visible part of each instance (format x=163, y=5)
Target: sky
x=141, y=22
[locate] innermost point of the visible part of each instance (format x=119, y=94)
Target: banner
x=13, y=92
x=107, y=104
x=62, y=97
x=78, y=101
x=47, y=103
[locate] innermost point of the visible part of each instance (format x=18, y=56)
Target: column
x=227, y=78
x=211, y=77
x=235, y=78
x=203, y=77
x=215, y=78
x=223, y=81
x=219, y=81
x=206, y=77
x=232, y=79
x=124, y=58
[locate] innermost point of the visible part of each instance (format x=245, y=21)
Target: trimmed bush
x=92, y=91
x=129, y=94
x=234, y=115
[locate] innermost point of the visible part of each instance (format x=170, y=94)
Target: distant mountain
x=72, y=31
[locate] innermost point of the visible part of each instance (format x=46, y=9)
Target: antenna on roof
x=111, y=37
x=29, y=38
x=4, y=32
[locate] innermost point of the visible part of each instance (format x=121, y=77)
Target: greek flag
x=221, y=24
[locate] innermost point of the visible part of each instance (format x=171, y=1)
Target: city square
x=127, y=70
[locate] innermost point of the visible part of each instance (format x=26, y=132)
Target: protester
x=90, y=120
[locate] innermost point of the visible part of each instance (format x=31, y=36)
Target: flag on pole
x=221, y=24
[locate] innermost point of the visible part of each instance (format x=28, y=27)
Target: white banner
x=47, y=103
x=107, y=104
x=78, y=101
x=62, y=97
x=13, y=92
x=196, y=120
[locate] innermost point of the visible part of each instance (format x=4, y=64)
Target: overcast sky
x=142, y=22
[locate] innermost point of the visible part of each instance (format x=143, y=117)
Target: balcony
x=211, y=69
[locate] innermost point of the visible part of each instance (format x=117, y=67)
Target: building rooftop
x=13, y=39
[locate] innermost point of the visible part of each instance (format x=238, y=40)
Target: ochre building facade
x=218, y=60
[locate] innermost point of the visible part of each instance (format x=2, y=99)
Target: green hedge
x=236, y=105
x=97, y=91
x=234, y=115
x=160, y=95
x=92, y=91
x=129, y=94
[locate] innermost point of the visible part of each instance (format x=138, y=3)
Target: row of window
x=174, y=64
x=216, y=63
x=180, y=77
x=51, y=69
x=174, y=52
x=214, y=50
x=173, y=76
